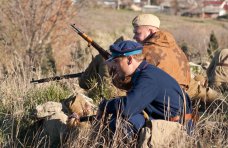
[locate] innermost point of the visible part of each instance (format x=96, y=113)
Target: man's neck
x=136, y=65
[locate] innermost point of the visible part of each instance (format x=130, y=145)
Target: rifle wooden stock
x=101, y=50
x=56, y=78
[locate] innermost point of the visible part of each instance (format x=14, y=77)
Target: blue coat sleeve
x=144, y=91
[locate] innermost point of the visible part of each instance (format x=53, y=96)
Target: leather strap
x=177, y=118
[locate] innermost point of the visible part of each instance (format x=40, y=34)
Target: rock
x=55, y=126
x=48, y=109
x=161, y=133
x=55, y=116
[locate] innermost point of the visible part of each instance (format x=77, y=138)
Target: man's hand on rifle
x=73, y=120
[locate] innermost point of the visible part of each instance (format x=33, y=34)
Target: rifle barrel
x=75, y=28
x=87, y=118
x=56, y=78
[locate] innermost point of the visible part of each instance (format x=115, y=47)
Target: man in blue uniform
x=153, y=91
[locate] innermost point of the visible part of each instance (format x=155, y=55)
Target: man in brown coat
x=161, y=49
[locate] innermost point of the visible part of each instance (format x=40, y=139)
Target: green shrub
x=53, y=92
x=97, y=91
x=48, y=62
x=212, y=45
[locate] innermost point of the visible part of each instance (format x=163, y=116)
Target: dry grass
x=18, y=97
x=17, y=128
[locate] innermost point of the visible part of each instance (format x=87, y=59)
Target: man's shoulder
x=155, y=70
x=161, y=38
x=158, y=77
x=164, y=33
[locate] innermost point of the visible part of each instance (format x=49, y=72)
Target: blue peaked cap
x=125, y=48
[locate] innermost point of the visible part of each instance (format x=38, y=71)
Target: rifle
x=87, y=118
x=90, y=41
x=101, y=50
x=56, y=78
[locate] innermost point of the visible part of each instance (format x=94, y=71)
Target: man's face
x=120, y=67
x=141, y=33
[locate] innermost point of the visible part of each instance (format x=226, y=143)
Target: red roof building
x=215, y=8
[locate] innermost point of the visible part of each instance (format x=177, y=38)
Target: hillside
x=109, y=21
x=105, y=25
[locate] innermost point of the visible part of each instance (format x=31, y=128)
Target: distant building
x=198, y=8
x=137, y=1
x=215, y=8
x=152, y=8
x=129, y=2
x=178, y=6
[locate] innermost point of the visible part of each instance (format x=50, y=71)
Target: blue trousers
x=133, y=123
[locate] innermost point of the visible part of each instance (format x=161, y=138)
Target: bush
x=212, y=45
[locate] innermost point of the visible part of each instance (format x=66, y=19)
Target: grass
x=18, y=97
x=16, y=115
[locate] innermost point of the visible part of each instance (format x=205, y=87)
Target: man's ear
x=129, y=60
x=151, y=31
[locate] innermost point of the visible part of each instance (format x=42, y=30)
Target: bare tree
x=27, y=26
